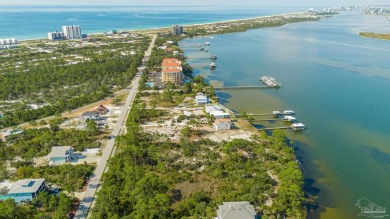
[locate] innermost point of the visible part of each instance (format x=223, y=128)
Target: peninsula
x=381, y=36
x=174, y=158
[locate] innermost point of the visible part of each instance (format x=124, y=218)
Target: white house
x=201, y=99
x=93, y=115
x=9, y=132
x=60, y=154
x=26, y=189
x=236, y=210
x=222, y=124
x=212, y=108
x=220, y=114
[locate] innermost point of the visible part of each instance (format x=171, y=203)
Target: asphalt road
x=87, y=202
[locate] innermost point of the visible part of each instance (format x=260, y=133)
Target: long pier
x=253, y=114
x=241, y=87
x=284, y=127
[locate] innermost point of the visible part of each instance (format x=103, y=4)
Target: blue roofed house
x=26, y=189
x=200, y=98
x=60, y=154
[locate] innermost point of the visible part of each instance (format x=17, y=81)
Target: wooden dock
x=241, y=87
x=284, y=127
x=252, y=114
x=260, y=120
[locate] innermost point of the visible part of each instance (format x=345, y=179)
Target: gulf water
x=337, y=82
x=31, y=22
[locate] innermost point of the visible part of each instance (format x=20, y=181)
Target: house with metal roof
x=91, y=115
x=60, y=154
x=222, y=124
x=236, y=210
x=200, y=98
x=26, y=189
x=5, y=134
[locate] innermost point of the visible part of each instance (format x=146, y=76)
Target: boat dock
x=270, y=81
x=270, y=129
x=241, y=87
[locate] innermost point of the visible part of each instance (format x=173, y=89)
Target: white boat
x=207, y=44
x=206, y=50
x=213, y=57
x=289, y=118
x=276, y=113
x=213, y=65
x=270, y=81
x=297, y=126
x=288, y=112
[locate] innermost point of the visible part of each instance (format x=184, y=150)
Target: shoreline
x=377, y=36
x=146, y=30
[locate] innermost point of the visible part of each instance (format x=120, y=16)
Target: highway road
x=87, y=202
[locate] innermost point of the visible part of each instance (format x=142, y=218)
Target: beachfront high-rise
x=55, y=35
x=72, y=32
x=177, y=30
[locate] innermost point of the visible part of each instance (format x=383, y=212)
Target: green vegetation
x=38, y=142
x=382, y=36
x=45, y=206
x=56, y=78
x=244, y=25
x=154, y=177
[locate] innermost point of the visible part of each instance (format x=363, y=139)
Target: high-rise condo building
x=177, y=30
x=72, y=32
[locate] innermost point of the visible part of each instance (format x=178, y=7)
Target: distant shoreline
x=158, y=29
x=379, y=36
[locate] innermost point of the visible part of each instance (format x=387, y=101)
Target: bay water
x=32, y=22
x=337, y=82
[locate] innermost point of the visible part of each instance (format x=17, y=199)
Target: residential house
x=93, y=115
x=220, y=114
x=102, y=110
x=26, y=189
x=5, y=134
x=212, y=108
x=222, y=124
x=200, y=98
x=236, y=210
x=60, y=154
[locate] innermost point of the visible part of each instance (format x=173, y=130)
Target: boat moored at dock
x=270, y=81
x=297, y=126
x=288, y=112
x=289, y=118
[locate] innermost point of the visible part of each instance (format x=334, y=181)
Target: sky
x=199, y=2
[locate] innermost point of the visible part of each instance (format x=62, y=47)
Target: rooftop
x=91, y=113
x=167, y=60
x=171, y=64
x=171, y=70
x=60, y=151
x=222, y=120
x=27, y=186
x=235, y=210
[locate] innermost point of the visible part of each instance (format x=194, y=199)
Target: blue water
x=337, y=82
x=36, y=21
